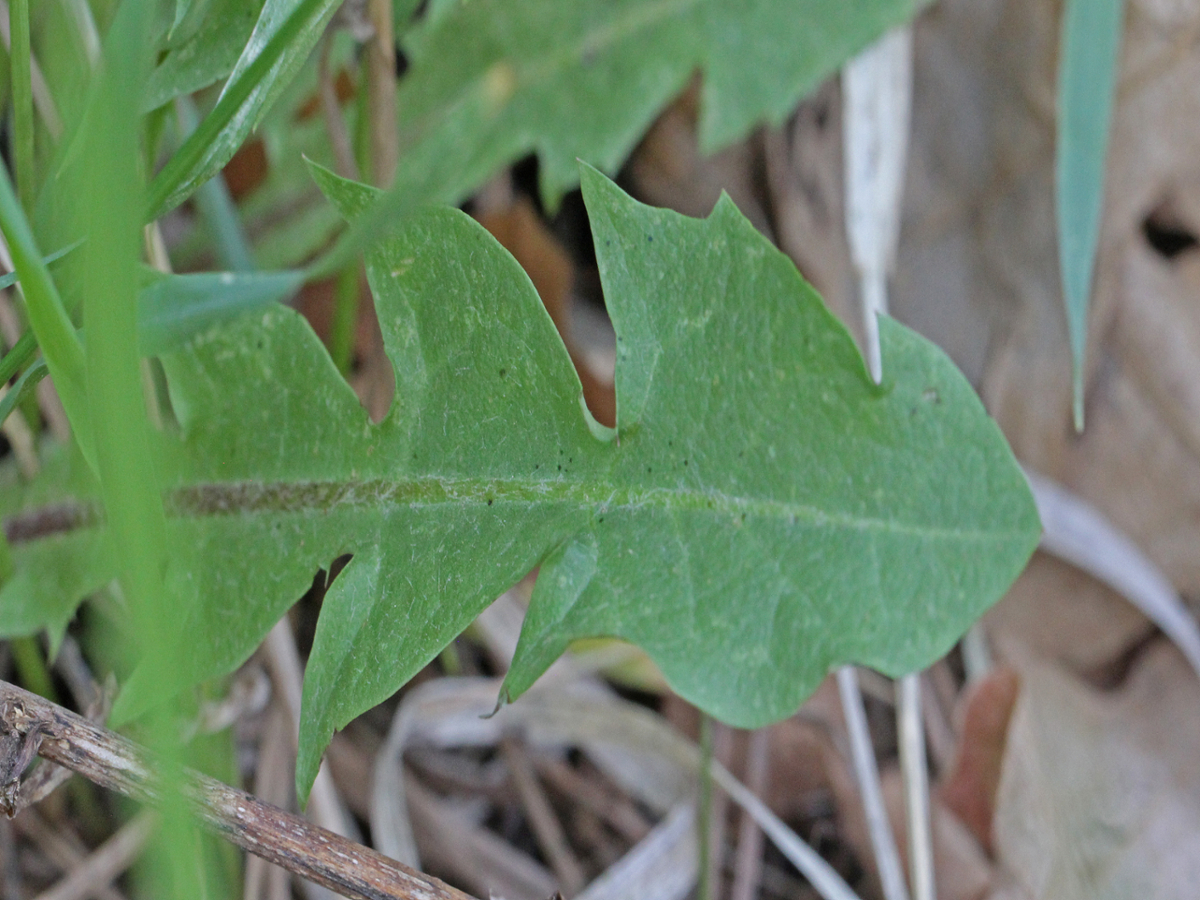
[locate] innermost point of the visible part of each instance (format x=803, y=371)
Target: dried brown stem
x=331, y=111
x=747, y=861
x=116, y=763
x=612, y=807
x=542, y=819
x=381, y=93
x=61, y=846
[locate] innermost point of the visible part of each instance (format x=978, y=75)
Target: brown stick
x=116, y=763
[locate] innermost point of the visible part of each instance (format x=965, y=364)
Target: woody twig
x=31, y=726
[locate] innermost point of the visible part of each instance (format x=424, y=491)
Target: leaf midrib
x=604, y=495
x=214, y=499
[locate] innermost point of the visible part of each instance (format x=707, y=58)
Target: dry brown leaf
x=978, y=273
x=1060, y=614
x=1100, y=794
x=969, y=790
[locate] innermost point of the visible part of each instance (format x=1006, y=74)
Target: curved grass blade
x=48, y=318
x=18, y=355
x=1087, y=77
x=286, y=32
x=26, y=383
x=200, y=59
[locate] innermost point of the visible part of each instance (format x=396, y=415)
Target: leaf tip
x=503, y=699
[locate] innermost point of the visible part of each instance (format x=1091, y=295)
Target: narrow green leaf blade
x=206, y=56
x=173, y=308
x=283, y=37
x=48, y=317
x=1087, y=76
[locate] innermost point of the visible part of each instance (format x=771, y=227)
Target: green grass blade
x=110, y=213
x=26, y=383
x=20, y=353
x=216, y=207
x=253, y=83
x=7, y=281
x=1087, y=75
x=22, y=99
x=51, y=325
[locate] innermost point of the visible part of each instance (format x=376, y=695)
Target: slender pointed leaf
x=283, y=37
x=48, y=317
x=27, y=382
x=1087, y=77
x=206, y=56
x=172, y=309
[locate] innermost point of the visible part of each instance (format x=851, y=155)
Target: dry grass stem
x=542, y=819
x=381, y=93
x=614, y=808
x=61, y=847
x=747, y=860
x=331, y=112
x=106, y=862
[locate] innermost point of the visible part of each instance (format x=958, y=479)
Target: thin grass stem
x=913, y=766
x=22, y=100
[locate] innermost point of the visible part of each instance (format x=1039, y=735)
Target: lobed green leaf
x=494, y=80
x=761, y=513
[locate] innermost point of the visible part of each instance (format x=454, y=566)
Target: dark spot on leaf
x=560, y=468
x=930, y=395
x=685, y=463
x=489, y=501
x=504, y=373
x=650, y=239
